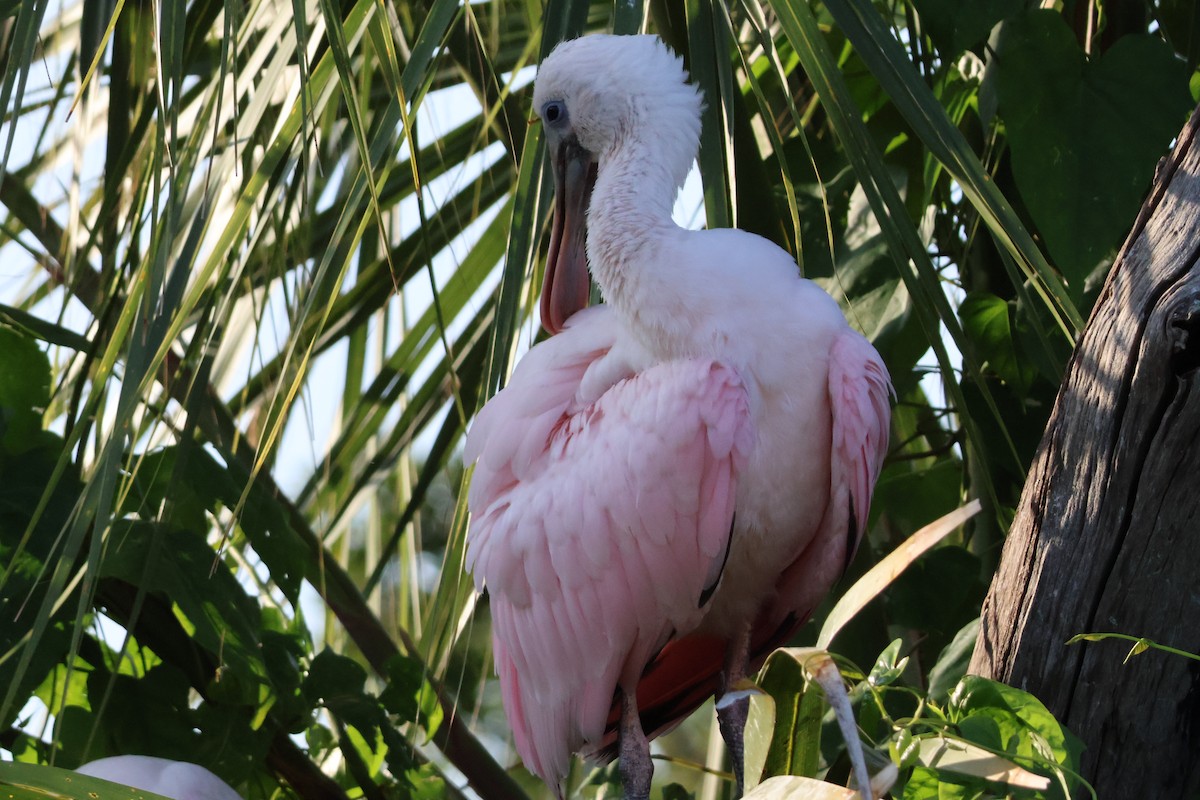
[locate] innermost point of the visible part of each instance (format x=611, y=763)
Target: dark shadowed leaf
x=408, y=694
x=951, y=664
x=988, y=322
x=956, y=26
x=1085, y=134
x=179, y=565
x=24, y=390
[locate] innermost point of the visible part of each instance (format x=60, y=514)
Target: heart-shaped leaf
x=1085, y=134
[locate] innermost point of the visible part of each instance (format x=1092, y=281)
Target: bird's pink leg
x=636, y=767
x=732, y=711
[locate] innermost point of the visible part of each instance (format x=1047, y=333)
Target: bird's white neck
x=629, y=219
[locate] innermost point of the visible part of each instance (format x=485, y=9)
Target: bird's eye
x=554, y=112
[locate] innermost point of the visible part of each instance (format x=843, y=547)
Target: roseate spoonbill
x=179, y=780
x=671, y=483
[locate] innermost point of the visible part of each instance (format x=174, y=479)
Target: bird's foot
x=732, y=710
x=733, y=704
x=637, y=769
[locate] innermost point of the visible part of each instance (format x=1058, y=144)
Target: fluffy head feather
x=619, y=90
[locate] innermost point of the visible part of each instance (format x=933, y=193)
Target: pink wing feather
x=596, y=528
x=859, y=388
x=684, y=674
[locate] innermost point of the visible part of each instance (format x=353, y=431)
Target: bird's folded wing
x=509, y=433
x=859, y=390
x=596, y=532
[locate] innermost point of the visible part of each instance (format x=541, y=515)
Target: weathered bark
x=1107, y=535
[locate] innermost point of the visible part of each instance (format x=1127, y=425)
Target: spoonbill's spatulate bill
x=179, y=780
x=669, y=485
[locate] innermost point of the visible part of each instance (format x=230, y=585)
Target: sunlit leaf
x=966, y=759
x=888, y=666
x=883, y=573
x=796, y=788
x=36, y=782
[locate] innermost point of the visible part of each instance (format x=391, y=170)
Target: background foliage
x=262, y=260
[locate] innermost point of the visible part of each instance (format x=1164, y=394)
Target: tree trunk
x=1107, y=535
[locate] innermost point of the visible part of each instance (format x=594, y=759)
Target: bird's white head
x=607, y=90
x=607, y=101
